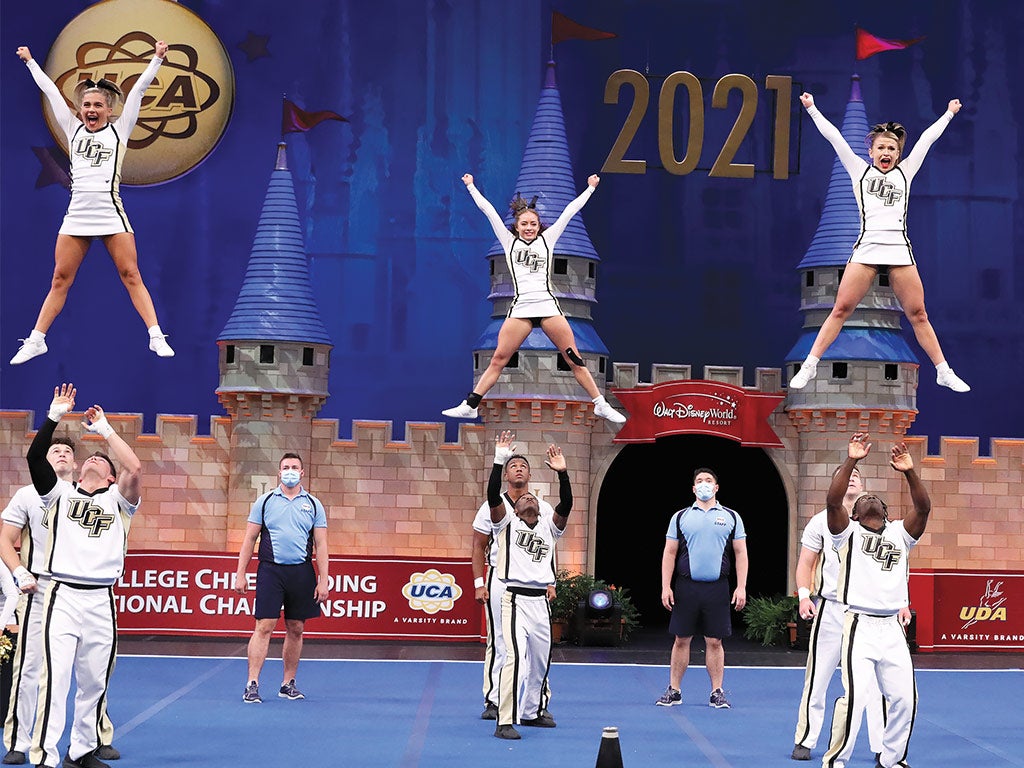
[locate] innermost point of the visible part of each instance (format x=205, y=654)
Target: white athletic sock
x=942, y=367
x=812, y=360
x=599, y=400
x=154, y=331
x=36, y=335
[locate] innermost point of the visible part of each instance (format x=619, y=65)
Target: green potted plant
x=766, y=618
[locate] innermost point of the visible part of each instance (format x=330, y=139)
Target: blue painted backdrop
x=694, y=269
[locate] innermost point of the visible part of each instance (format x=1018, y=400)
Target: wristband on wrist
x=803, y=593
x=478, y=582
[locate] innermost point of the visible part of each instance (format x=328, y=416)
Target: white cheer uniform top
x=530, y=264
x=874, y=568
x=88, y=533
x=526, y=556
x=26, y=511
x=482, y=524
x=96, y=157
x=882, y=197
x=817, y=538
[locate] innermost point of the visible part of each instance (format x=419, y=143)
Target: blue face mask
x=705, y=491
x=290, y=478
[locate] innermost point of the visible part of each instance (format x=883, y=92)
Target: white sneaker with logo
x=805, y=374
x=460, y=411
x=605, y=411
x=29, y=348
x=944, y=379
x=159, y=345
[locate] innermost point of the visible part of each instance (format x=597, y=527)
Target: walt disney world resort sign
x=699, y=408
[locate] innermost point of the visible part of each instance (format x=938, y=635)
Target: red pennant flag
x=296, y=120
x=564, y=28
x=869, y=45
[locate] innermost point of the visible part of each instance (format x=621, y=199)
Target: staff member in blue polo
x=288, y=522
x=701, y=542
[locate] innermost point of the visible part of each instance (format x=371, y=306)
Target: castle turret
x=538, y=371
x=274, y=349
x=869, y=365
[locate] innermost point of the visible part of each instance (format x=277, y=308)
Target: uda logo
x=990, y=607
x=431, y=591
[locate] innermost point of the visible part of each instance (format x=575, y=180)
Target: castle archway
x=647, y=482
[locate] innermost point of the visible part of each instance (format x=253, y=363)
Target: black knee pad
x=574, y=356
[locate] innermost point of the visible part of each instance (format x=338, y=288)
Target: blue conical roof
x=276, y=300
x=547, y=172
x=839, y=225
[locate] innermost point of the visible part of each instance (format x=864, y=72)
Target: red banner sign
x=971, y=610
x=700, y=408
x=371, y=598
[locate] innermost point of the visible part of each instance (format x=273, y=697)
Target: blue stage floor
x=187, y=711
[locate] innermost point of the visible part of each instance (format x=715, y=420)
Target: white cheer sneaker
x=29, y=348
x=804, y=375
x=460, y=411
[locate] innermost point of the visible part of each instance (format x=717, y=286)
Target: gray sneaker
x=490, y=712
x=107, y=752
x=252, y=693
x=670, y=698
x=800, y=752
x=14, y=757
x=289, y=691
x=718, y=700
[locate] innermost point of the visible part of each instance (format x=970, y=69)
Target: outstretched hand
x=467, y=179
x=24, y=53
x=161, y=49
x=504, y=446
x=807, y=100
x=900, y=458
x=954, y=106
x=859, y=446
x=63, y=401
x=593, y=180
x=96, y=422
x=555, y=459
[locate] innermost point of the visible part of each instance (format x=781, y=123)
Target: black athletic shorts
x=702, y=607
x=291, y=586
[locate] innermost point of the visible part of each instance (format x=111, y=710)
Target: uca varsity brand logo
x=431, y=591
x=186, y=109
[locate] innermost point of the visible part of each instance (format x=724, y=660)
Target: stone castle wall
x=417, y=496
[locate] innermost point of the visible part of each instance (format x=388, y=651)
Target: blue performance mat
x=173, y=711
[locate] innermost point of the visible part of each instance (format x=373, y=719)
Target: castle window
x=307, y=355
x=266, y=353
x=592, y=271
x=560, y=267
x=892, y=372
x=476, y=361
x=561, y=364
x=840, y=371
x=809, y=278
x=841, y=271
x=513, y=362
x=492, y=267
x=600, y=365
x=229, y=354
x=883, y=278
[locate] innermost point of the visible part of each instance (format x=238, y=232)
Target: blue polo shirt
x=287, y=526
x=704, y=552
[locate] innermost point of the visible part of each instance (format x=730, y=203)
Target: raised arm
x=916, y=520
x=838, y=517
x=553, y=232
x=44, y=479
x=556, y=461
x=853, y=164
x=66, y=117
x=503, y=450
x=505, y=237
x=131, y=468
x=133, y=101
x=912, y=163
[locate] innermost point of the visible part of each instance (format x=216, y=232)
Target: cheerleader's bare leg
x=557, y=329
x=906, y=284
x=856, y=282
x=125, y=256
x=511, y=336
x=68, y=255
